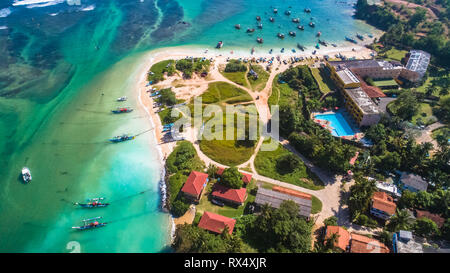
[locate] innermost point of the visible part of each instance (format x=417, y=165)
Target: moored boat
x=360, y=37
x=317, y=46
x=288, y=12
x=318, y=34
x=292, y=33
x=275, y=10
x=219, y=44
x=351, y=40
x=301, y=47
x=249, y=30
x=258, y=18
x=296, y=20
x=237, y=26
x=121, y=110
x=280, y=35
x=90, y=224
x=121, y=138
x=271, y=19
x=312, y=24
x=323, y=43
x=301, y=27
x=307, y=10
x=26, y=175
x=124, y=98
x=260, y=26
x=93, y=203
x=260, y=40
x=253, y=50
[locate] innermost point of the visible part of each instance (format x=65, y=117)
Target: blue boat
x=93, y=203
x=351, y=40
x=122, y=110
x=121, y=138
x=90, y=224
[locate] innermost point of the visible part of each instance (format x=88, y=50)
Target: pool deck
x=327, y=125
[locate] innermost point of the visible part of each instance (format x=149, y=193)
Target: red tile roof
x=246, y=177
x=195, y=183
x=292, y=192
x=216, y=223
x=220, y=170
x=343, y=236
x=382, y=201
x=371, y=91
x=363, y=244
x=434, y=217
x=234, y=195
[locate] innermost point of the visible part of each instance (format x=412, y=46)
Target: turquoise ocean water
x=58, y=59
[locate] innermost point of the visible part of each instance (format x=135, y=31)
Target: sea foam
x=5, y=12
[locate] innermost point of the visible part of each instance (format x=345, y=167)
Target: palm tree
x=400, y=221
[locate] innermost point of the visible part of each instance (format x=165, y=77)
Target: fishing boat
x=260, y=26
x=121, y=138
x=292, y=33
x=90, y=224
x=370, y=35
x=270, y=51
x=318, y=34
x=314, y=52
x=323, y=43
x=351, y=40
x=237, y=26
x=26, y=174
x=282, y=50
x=258, y=18
x=260, y=40
x=280, y=35
x=122, y=110
x=301, y=47
x=288, y=12
x=271, y=19
x=360, y=37
x=249, y=30
x=293, y=50
x=253, y=50
x=301, y=27
x=124, y=98
x=307, y=10
x=335, y=45
x=93, y=203
x=317, y=46
x=219, y=44
x=296, y=20
x=312, y=24
x=275, y=10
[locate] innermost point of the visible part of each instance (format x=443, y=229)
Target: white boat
x=124, y=98
x=26, y=174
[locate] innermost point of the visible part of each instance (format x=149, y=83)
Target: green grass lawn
x=323, y=80
x=222, y=92
x=226, y=151
x=263, y=76
x=282, y=94
x=424, y=113
x=266, y=165
x=394, y=54
x=159, y=68
x=236, y=77
x=228, y=211
x=382, y=83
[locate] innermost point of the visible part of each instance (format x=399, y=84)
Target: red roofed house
x=343, y=239
x=434, y=217
x=233, y=196
x=383, y=205
x=216, y=223
x=246, y=177
x=194, y=185
x=363, y=244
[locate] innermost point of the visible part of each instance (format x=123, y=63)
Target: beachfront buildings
x=416, y=65
x=354, y=242
x=382, y=206
x=277, y=195
x=216, y=223
x=194, y=185
x=235, y=197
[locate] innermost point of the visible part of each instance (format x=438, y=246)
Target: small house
x=194, y=185
x=216, y=223
x=413, y=182
x=383, y=205
x=235, y=197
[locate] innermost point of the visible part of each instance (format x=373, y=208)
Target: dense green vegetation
x=179, y=164
x=190, y=66
x=232, y=178
x=401, y=31
x=157, y=71
x=276, y=230
x=283, y=165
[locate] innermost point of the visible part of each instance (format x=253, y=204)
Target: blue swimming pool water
x=339, y=123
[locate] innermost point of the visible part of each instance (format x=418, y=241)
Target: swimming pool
x=341, y=126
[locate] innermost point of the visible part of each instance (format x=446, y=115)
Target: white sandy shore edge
x=146, y=103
